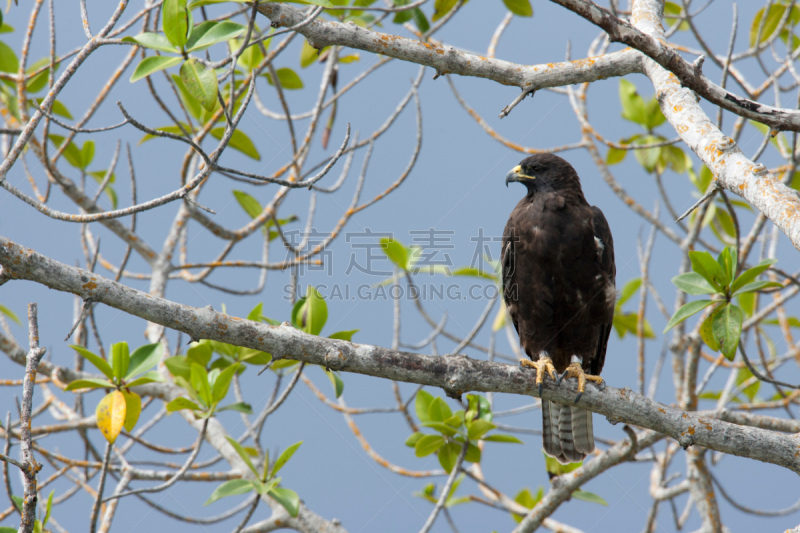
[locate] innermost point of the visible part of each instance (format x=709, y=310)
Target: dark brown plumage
x=558, y=284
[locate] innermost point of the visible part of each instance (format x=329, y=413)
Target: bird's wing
x=508, y=264
x=605, y=256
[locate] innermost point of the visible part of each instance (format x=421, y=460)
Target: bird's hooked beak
x=515, y=174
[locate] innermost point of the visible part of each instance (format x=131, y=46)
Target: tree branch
x=448, y=60
x=689, y=74
x=455, y=374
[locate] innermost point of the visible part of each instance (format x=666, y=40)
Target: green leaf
x=153, y=41
x=200, y=353
x=521, y=8
x=87, y=153
x=439, y=411
x=242, y=407
x=284, y=457
x=344, y=335
x=728, y=261
x=629, y=323
x=201, y=82
x=308, y=54
x=89, y=383
x=648, y=157
x=751, y=390
x=49, y=506
x=774, y=16
x=479, y=405
x=182, y=403
x=251, y=56
x=707, y=334
x=628, y=290
x=133, y=408
x=671, y=12
x=98, y=362
x=420, y=21
x=198, y=378
x=38, y=82
x=747, y=301
x=758, y=286
x=588, y=497
x=632, y=104
x=352, y=58
x=792, y=321
x=693, y=283
x=615, y=155
x=478, y=428
x=223, y=382
x=422, y=404
x=192, y=106
x=250, y=205
x=336, y=381
x=527, y=500
x=448, y=455
x=396, y=252
x=313, y=313
x=10, y=314
x=686, y=311
x=17, y=503
x=288, y=78
x=148, y=377
x=502, y=438
x=243, y=454
x=653, y=115
x=176, y=24
x=232, y=487
x=441, y=427
x=709, y=268
x=726, y=328
x=144, y=358
x=239, y=141
x=8, y=59
x=211, y=32
x=428, y=444
x=557, y=469
x=287, y=497
x=751, y=273
x=120, y=359
x=473, y=453
x=411, y=441
x=441, y=8
x=152, y=64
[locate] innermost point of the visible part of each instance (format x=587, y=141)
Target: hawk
x=558, y=285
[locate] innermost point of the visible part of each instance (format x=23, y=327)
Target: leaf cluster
x=452, y=430
x=120, y=407
x=717, y=277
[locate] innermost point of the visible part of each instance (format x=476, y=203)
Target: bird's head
x=543, y=172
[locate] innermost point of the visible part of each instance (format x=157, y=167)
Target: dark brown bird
x=558, y=285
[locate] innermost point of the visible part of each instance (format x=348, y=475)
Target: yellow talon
x=574, y=370
x=542, y=366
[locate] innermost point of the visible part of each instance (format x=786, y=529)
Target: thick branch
x=624, y=32
x=448, y=60
x=455, y=374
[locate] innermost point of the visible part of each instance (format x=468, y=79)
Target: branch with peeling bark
x=456, y=374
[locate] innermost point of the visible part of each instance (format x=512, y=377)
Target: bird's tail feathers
x=567, y=432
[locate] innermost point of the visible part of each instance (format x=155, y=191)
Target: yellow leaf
x=111, y=415
x=133, y=407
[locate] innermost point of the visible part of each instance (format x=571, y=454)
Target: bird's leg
x=575, y=370
x=543, y=365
